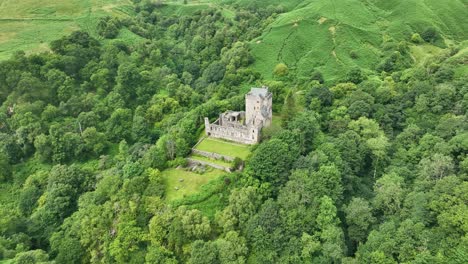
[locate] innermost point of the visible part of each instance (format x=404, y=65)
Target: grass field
x=322, y=35
x=30, y=25
x=311, y=35
x=191, y=182
x=212, y=197
x=224, y=148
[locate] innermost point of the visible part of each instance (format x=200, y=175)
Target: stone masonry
x=244, y=126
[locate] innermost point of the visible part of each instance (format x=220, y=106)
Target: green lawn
x=224, y=148
x=191, y=183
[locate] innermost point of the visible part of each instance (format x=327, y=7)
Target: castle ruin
x=244, y=126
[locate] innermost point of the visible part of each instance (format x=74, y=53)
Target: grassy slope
x=31, y=24
x=461, y=57
x=312, y=35
x=191, y=183
x=288, y=5
x=321, y=34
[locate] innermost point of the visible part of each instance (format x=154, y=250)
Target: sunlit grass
x=30, y=25
x=224, y=148
x=190, y=184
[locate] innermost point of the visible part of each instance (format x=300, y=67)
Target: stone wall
x=234, y=125
x=212, y=155
x=244, y=127
x=205, y=163
x=258, y=109
x=242, y=135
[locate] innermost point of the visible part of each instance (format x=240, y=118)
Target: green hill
x=97, y=136
x=331, y=36
x=310, y=35
x=30, y=25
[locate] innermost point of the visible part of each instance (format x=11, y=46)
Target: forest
x=366, y=164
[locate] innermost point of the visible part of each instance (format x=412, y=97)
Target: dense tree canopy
x=371, y=168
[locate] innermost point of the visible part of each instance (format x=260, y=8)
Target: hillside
x=328, y=36
x=30, y=25
x=104, y=156
x=332, y=36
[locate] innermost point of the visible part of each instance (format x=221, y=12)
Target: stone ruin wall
x=193, y=162
x=244, y=126
x=233, y=125
x=253, y=106
x=212, y=155
x=237, y=134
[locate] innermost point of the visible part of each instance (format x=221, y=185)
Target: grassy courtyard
x=224, y=147
x=190, y=184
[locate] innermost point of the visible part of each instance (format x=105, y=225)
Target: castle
x=244, y=126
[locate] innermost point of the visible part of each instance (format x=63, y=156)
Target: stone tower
x=244, y=126
x=258, y=104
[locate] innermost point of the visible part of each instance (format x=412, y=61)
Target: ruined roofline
x=263, y=92
x=233, y=113
x=244, y=126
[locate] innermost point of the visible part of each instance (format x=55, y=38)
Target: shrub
x=353, y=54
x=355, y=76
x=281, y=69
x=108, y=27
x=178, y=162
x=317, y=76
x=237, y=163
x=444, y=74
x=416, y=38
x=430, y=35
